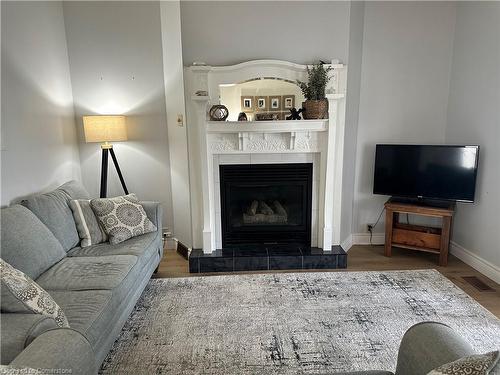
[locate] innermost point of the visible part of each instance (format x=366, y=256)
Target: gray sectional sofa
x=97, y=287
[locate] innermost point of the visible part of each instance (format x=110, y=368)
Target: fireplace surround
x=255, y=232
x=266, y=204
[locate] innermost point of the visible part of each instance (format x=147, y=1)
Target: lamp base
x=106, y=149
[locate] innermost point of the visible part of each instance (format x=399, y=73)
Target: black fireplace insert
x=266, y=203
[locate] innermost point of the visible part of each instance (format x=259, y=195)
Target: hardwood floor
x=371, y=258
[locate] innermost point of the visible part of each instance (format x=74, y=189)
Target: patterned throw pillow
x=122, y=217
x=21, y=294
x=479, y=364
x=89, y=229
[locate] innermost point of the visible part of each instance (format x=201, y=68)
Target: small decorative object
x=218, y=112
x=247, y=103
x=275, y=103
x=288, y=101
x=242, y=116
x=267, y=116
x=201, y=93
x=316, y=104
x=262, y=103
x=294, y=114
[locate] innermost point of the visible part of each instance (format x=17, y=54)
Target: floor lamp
x=106, y=129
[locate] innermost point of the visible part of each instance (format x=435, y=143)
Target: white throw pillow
x=89, y=229
x=20, y=294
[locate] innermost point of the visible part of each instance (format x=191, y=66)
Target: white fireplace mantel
x=321, y=139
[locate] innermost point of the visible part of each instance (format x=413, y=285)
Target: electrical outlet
x=369, y=227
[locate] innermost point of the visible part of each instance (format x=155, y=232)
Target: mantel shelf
x=278, y=126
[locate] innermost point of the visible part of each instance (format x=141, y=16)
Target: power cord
x=371, y=227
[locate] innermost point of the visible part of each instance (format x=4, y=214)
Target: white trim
x=486, y=268
x=364, y=239
x=347, y=243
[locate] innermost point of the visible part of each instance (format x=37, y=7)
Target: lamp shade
x=104, y=128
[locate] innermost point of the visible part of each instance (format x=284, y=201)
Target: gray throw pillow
x=478, y=364
x=89, y=229
x=122, y=217
x=20, y=294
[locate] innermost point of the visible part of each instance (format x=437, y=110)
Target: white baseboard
x=486, y=268
x=364, y=239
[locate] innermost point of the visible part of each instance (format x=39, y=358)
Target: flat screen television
x=426, y=171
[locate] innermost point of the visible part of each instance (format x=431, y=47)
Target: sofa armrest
x=63, y=349
x=18, y=330
x=428, y=345
x=154, y=212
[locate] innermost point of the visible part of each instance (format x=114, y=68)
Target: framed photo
x=262, y=103
x=275, y=103
x=247, y=104
x=288, y=101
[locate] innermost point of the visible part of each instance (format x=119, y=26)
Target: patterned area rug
x=289, y=323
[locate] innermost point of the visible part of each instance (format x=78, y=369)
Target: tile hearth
x=264, y=257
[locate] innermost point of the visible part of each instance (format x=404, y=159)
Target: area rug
x=289, y=323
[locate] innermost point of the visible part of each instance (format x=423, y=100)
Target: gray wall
x=116, y=68
x=39, y=145
x=407, y=48
x=474, y=118
x=224, y=33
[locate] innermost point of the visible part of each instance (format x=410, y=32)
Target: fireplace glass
x=266, y=204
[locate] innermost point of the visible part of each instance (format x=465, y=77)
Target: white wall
x=229, y=32
x=177, y=133
x=39, y=145
x=356, y=26
x=116, y=64
x=474, y=118
x=407, y=49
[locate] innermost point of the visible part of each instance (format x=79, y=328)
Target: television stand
x=418, y=237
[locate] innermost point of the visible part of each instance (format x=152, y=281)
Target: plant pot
x=315, y=109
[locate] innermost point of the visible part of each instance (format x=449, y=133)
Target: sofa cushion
x=135, y=246
x=87, y=273
x=21, y=294
x=122, y=217
x=89, y=229
x=53, y=210
x=88, y=311
x=75, y=190
x=19, y=330
x=93, y=312
x=27, y=244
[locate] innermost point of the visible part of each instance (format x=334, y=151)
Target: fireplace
x=266, y=204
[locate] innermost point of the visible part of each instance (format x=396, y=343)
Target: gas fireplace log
x=265, y=209
x=252, y=210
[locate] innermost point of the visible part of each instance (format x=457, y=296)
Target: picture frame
x=275, y=103
x=262, y=103
x=247, y=103
x=288, y=101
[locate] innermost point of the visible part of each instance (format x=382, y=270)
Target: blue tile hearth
x=261, y=258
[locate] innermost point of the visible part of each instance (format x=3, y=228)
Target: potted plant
x=316, y=104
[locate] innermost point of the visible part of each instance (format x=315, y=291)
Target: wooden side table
x=418, y=237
